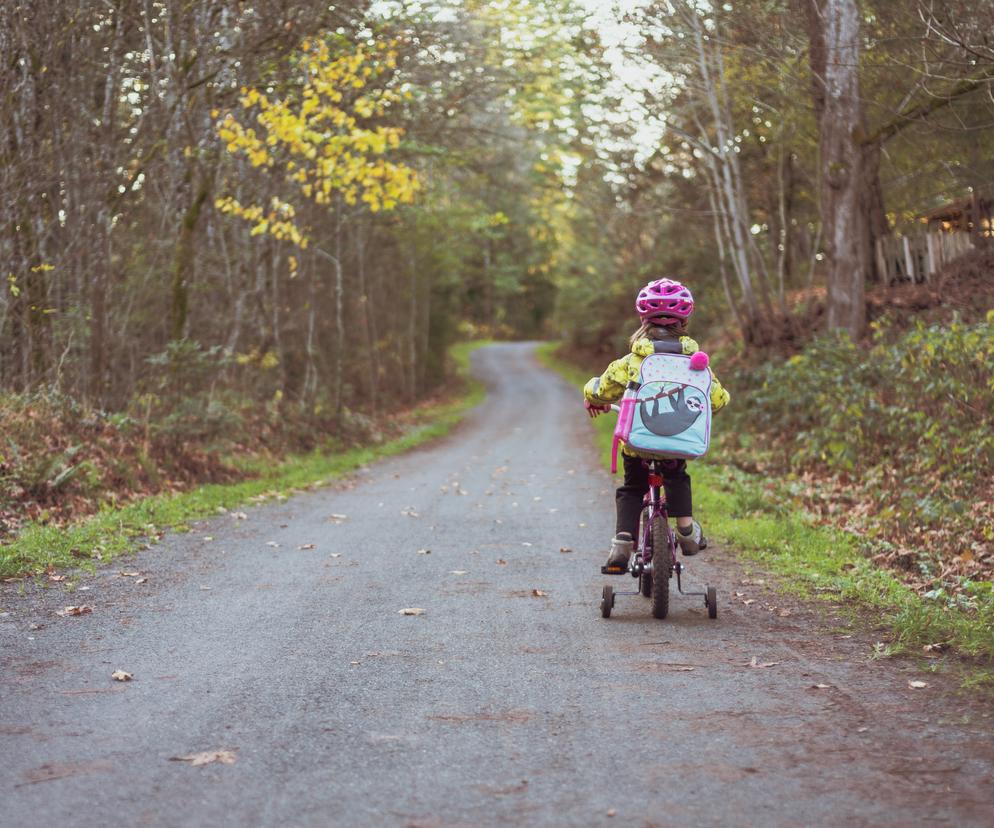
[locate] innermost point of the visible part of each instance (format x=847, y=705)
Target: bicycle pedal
x=614, y=570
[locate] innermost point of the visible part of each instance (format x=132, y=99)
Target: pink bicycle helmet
x=664, y=298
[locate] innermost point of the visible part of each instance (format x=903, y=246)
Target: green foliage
x=910, y=418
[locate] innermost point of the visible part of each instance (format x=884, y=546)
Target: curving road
x=497, y=705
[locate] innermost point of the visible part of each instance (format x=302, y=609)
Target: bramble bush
x=903, y=429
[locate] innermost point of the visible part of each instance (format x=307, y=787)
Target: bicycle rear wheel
x=645, y=580
x=659, y=538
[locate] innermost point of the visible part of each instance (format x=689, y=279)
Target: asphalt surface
x=497, y=705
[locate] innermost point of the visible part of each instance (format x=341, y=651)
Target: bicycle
x=654, y=561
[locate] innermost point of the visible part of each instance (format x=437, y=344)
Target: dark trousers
x=628, y=499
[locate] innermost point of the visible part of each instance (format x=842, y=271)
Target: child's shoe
x=622, y=547
x=691, y=539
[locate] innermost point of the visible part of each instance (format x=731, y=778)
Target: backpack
x=667, y=413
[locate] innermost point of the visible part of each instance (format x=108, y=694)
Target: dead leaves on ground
x=82, y=609
x=411, y=611
x=207, y=757
x=121, y=675
x=757, y=664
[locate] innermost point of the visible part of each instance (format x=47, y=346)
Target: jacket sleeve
x=609, y=386
x=719, y=396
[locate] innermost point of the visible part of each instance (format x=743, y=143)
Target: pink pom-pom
x=699, y=361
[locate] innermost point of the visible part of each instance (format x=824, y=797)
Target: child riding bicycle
x=664, y=307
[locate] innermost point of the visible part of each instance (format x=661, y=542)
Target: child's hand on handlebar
x=595, y=410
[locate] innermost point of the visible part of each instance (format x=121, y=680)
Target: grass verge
x=816, y=561
x=114, y=531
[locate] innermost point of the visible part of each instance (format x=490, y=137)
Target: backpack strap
x=667, y=346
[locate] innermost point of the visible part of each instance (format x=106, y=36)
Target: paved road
x=496, y=706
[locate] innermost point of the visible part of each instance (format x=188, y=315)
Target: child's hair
x=677, y=327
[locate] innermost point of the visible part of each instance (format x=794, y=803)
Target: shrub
x=904, y=428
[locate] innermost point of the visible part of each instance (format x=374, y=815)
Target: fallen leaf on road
x=124, y=574
x=140, y=580
x=611, y=812
x=208, y=538
x=306, y=546
x=80, y=610
x=540, y=593
x=761, y=664
x=424, y=551
x=55, y=578
x=224, y=757
x=239, y=515
x=553, y=511
x=337, y=518
x=565, y=550
x=458, y=572
x=501, y=562
x=336, y=554
x=274, y=544
x=409, y=511
x=525, y=543
x=411, y=611
x=917, y=685
x=121, y=675
x=820, y=686
x=748, y=601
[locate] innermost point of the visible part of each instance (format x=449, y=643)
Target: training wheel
x=607, y=601
x=711, y=602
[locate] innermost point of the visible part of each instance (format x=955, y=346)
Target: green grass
x=115, y=531
x=814, y=561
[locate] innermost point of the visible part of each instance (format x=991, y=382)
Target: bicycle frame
x=654, y=506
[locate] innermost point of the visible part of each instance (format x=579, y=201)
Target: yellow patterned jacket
x=610, y=386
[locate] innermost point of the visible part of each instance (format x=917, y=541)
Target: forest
x=240, y=228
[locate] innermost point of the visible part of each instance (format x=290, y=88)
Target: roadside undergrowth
x=41, y=547
x=815, y=561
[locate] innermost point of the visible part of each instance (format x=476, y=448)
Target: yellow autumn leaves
x=316, y=139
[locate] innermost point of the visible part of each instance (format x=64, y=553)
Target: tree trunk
x=835, y=53
x=183, y=265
